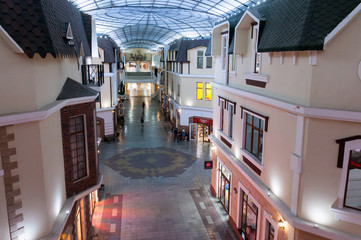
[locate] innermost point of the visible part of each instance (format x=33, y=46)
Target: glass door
x=224, y=187
x=193, y=131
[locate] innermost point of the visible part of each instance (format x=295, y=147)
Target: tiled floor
x=156, y=188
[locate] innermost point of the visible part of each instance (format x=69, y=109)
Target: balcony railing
x=93, y=74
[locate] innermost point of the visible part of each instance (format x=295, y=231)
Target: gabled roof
x=74, y=89
x=108, y=46
x=189, y=44
x=295, y=25
x=39, y=26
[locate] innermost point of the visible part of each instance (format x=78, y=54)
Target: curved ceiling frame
x=129, y=21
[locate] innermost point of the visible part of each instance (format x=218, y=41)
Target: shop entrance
x=224, y=187
x=200, y=129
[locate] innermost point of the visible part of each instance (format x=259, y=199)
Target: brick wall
x=87, y=109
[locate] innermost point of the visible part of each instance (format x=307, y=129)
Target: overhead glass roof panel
x=158, y=21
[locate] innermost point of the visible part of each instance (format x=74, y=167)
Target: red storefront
x=200, y=128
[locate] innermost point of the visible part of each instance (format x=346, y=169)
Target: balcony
x=93, y=74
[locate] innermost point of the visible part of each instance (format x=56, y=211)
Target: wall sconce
x=235, y=190
x=281, y=223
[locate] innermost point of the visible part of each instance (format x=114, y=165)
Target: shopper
x=175, y=134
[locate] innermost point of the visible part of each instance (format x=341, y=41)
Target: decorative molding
x=192, y=75
x=270, y=54
x=322, y=113
x=312, y=58
x=295, y=55
x=256, y=83
x=282, y=54
x=42, y=113
x=13, y=45
x=342, y=24
x=256, y=77
x=252, y=166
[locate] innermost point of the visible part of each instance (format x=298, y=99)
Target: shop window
x=230, y=119
x=254, y=135
x=224, y=51
x=208, y=92
x=270, y=231
x=200, y=59
x=221, y=114
x=209, y=62
x=249, y=218
x=224, y=187
x=199, y=90
x=78, y=146
x=353, y=180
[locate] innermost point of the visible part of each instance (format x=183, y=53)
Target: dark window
x=230, y=120
x=254, y=135
x=209, y=62
x=199, y=59
x=77, y=146
x=221, y=115
x=353, y=181
x=270, y=231
x=249, y=218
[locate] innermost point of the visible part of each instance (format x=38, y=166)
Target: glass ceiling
x=154, y=23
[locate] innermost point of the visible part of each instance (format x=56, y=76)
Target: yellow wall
x=320, y=178
x=37, y=81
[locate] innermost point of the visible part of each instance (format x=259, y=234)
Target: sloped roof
x=209, y=49
x=74, y=89
x=39, y=26
x=108, y=46
x=189, y=44
x=295, y=25
x=87, y=22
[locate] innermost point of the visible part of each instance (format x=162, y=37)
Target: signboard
x=208, y=164
x=203, y=121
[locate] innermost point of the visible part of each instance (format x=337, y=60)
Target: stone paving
x=160, y=186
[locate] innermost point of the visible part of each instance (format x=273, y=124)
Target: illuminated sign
x=208, y=164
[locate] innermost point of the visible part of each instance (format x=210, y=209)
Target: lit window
x=249, y=219
x=209, y=62
x=254, y=135
x=208, y=92
x=199, y=59
x=77, y=147
x=199, y=90
x=224, y=51
x=230, y=119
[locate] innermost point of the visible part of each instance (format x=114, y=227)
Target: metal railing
x=93, y=74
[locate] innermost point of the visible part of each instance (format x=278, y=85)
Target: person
x=183, y=134
x=142, y=120
x=143, y=105
x=175, y=134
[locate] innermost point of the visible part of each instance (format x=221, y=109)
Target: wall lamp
x=235, y=190
x=282, y=223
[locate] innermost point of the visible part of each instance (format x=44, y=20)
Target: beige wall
x=106, y=100
x=41, y=169
x=4, y=222
x=336, y=72
x=320, y=177
x=192, y=57
x=279, y=142
x=30, y=83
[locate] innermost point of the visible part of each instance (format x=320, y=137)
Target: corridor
x=156, y=188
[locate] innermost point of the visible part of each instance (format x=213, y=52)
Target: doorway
x=224, y=187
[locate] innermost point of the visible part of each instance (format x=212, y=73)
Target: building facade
x=49, y=173
x=287, y=118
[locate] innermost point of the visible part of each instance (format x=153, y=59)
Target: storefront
x=224, y=178
x=200, y=128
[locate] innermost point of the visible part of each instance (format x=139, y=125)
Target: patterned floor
x=156, y=188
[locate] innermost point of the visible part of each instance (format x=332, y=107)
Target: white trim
x=346, y=214
x=68, y=205
x=105, y=109
x=13, y=45
x=191, y=76
x=282, y=54
x=256, y=77
x=249, y=14
x=323, y=113
x=221, y=163
x=276, y=202
x=295, y=55
x=342, y=24
x=225, y=136
x=312, y=58
x=111, y=74
x=42, y=113
x=268, y=217
x=270, y=58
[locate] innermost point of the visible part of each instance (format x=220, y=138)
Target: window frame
x=233, y=62
x=224, y=52
x=230, y=129
x=198, y=88
x=267, y=218
x=222, y=105
x=85, y=146
x=200, y=58
x=208, y=89
x=211, y=65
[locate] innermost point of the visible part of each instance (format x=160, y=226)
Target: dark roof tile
x=74, y=89
x=108, y=46
x=189, y=44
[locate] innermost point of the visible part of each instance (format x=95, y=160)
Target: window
x=199, y=59
x=232, y=59
x=230, y=119
x=249, y=218
x=254, y=135
x=178, y=90
x=224, y=52
x=221, y=114
x=209, y=62
x=257, y=63
x=77, y=146
x=353, y=181
x=270, y=231
x=208, y=92
x=199, y=90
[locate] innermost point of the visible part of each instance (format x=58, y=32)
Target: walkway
x=156, y=188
